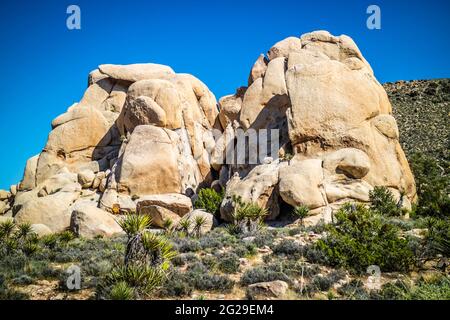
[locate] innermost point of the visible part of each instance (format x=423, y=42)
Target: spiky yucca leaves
x=142, y=278
x=168, y=225
x=301, y=212
x=247, y=217
x=185, y=226
x=23, y=230
x=199, y=222
x=121, y=291
x=160, y=250
x=6, y=229
x=134, y=224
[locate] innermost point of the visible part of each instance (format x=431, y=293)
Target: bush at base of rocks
x=360, y=238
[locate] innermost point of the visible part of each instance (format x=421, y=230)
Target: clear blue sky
x=44, y=66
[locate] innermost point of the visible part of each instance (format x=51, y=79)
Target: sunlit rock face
x=334, y=118
x=143, y=131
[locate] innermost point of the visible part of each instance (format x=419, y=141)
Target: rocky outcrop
x=333, y=117
x=145, y=138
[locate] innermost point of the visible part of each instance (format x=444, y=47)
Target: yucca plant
x=185, y=226
x=141, y=277
x=6, y=229
x=49, y=240
x=199, y=222
x=66, y=236
x=247, y=217
x=301, y=212
x=168, y=225
x=160, y=250
x=133, y=223
x=23, y=230
x=121, y=291
x=29, y=247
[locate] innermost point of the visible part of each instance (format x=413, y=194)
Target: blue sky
x=45, y=65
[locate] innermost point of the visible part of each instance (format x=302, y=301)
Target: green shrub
x=322, y=283
x=201, y=279
x=301, y=212
x=437, y=239
x=228, y=263
x=288, y=248
x=354, y=290
x=122, y=291
x=263, y=274
x=209, y=200
x=432, y=184
x=177, y=285
x=383, y=202
x=360, y=238
x=437, y=288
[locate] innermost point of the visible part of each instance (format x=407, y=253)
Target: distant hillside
x=422, y=110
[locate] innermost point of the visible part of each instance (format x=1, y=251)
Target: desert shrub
x=228, y=263
x=263, y=239
x=184, y=245
x=209, y=200
x=182, y=259
x=354, y=290
x=22, y=280
x=201, y=279
x=210, y=261
x=122, y=291
x=322, y=283
x=432, y=184
x=288, y=248
x=359, y=238
x=263, y=274
x=245, y=250
x=437, y=288
x=218, y=238
x=177, y=285
x=437, y=239
x=295, y=231
x=383, y=202
x=336, y=275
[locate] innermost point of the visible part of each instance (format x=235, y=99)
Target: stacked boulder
x=142, y=138
x=138, y=131
x=338, y=136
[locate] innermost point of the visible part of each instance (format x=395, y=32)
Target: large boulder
x=88, y=221
x=149, y=164
x=259, y=186
x=301, y=183
x=177, y=203
x=333, y=116
x=52, y=210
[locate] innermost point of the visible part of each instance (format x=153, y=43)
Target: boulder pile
x=145, y=138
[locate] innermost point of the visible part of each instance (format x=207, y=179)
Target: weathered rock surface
x=88, y=222
x=209, y=220
x=333, y=115
x=267, y=290
x=141, y=139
